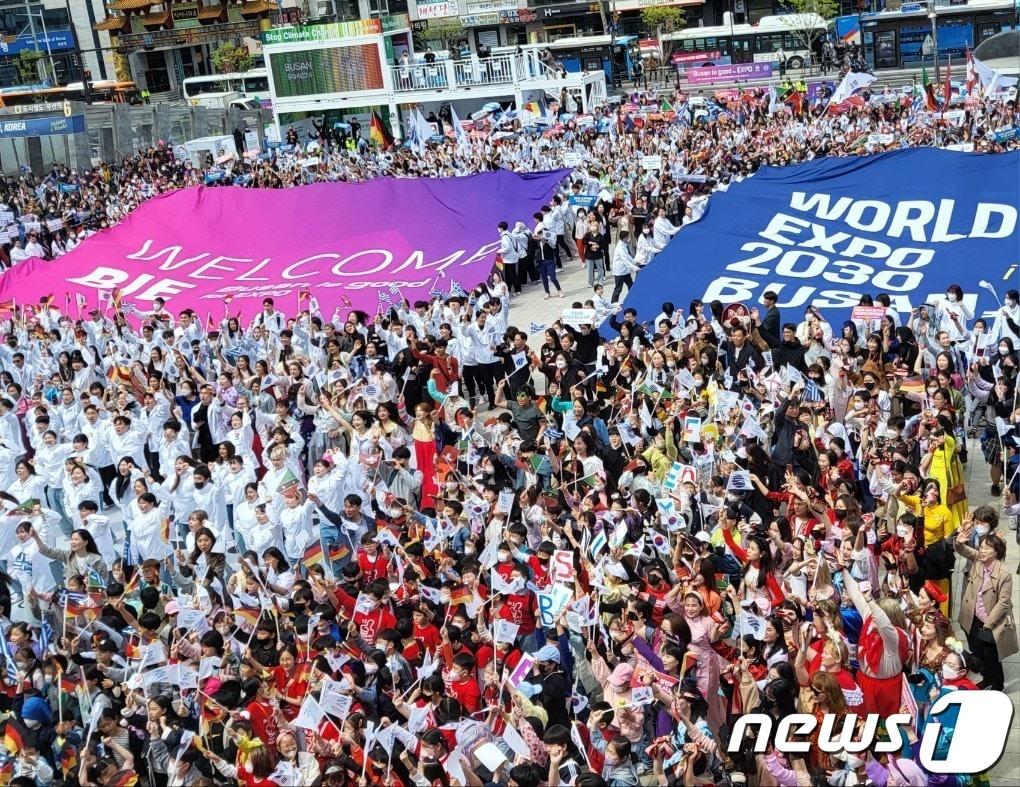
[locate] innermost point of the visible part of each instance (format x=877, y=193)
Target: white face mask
x=854, y=762
x=561, y=364
x=902, y=531
x=951, y=297
x=982, y=530
x=950, y=673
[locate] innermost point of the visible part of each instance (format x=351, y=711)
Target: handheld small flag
x=14, y=737
x=314, y=555
x=812, y=393
x=537, y=327
x=288, y=483
x=456, y=291
x=338, y=552
x=377, y=133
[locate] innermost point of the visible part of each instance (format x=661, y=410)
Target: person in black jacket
x=789, y=351
x=770, y=321
x=740, y=353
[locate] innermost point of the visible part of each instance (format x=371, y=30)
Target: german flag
x=247, y=616
x=123, y=779
x=14, y=737
x=338, y=552
x=377, y=133
x=164, y=531
x=73, y=609
x=314, y=555
x=461, y=595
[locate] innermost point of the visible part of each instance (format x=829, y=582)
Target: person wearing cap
x=555, y=692
x=527, y=418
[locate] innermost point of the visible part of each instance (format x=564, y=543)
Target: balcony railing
x=444, y=74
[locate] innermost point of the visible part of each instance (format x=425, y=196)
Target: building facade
x=64, y=35
x=166, y=42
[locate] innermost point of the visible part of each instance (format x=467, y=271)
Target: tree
x=446, y=31
x=227, y=58
x=27, y=66
x=807, y=21
x=664, y=19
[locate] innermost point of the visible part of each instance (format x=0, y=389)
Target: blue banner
x=58, y=40
x=907, y=223
x=42, y=127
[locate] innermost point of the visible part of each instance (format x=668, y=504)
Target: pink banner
x=708, y=75
x=336, y=241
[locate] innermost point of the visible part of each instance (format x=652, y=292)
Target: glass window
x=769, y=42
x=256, y=84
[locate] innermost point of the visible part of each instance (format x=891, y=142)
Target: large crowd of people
x=434, y=546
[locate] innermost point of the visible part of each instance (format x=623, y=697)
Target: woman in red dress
x=290, y=678
x=424, y=433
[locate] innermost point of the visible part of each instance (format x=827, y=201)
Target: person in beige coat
x=986, y=611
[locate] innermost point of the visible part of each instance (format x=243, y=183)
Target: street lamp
x=935, y=38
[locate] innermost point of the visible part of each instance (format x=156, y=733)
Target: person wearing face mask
x=938, y=525
x=1007, y=320
x=899, y=551
x=955, y=313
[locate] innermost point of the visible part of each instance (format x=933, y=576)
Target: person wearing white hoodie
x=623, y=267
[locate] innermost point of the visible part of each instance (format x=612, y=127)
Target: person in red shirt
x=266, y=718
x=370, y=622
x=540, y=564
x=373, y=561
x=521, y=607
x=463, y=683
x=424, y=630
x=290, y=680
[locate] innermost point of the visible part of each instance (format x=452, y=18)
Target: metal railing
x=446, y=74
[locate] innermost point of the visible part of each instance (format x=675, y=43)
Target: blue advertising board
x=41, y=127
x=907, y=223
x=59, y=40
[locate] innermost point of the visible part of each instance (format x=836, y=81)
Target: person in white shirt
x=270, y=319
x=18, y=253
x=623, y=268
x=646, y=247
x=955, y=313
x=510, y=255
x=663, y=230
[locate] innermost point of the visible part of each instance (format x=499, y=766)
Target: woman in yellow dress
x=938, y=524
x=941, y=463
